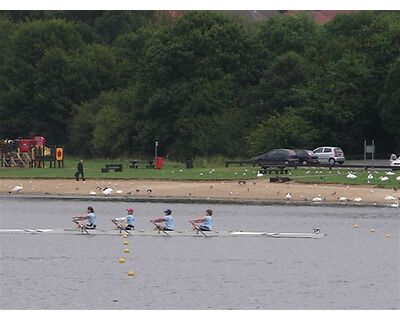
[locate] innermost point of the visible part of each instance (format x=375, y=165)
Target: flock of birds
x=109, y=190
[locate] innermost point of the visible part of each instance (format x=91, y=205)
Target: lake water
x=351, y=268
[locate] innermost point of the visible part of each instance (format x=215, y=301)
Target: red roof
x=320, y=16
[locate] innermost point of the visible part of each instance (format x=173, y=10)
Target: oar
x=120, y=227
x=80, y=225
x=160, y=229
x=198, y=229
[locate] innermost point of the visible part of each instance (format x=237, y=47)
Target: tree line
x=111, y=83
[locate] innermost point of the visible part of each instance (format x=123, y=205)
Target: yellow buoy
x=355, y=225
x=388, y=236
x=121, y=260
x=131, y=273
x=372, y=230
x=124, y=236
x=125, y=243
x=126, y=250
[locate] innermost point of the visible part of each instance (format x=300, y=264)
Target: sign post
x=369, y=149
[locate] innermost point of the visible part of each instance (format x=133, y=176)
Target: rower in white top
x=203, y=224
x=91, y=217
x=127, y=222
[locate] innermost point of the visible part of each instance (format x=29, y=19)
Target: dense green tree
x=282, y=131
x=108, y=83
x=389, y=106
x=338, y=102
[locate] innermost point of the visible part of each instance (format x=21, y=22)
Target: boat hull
x=205, y=234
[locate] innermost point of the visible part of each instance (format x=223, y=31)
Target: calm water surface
x=349, y=269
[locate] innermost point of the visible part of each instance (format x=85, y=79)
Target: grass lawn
x=177, y=171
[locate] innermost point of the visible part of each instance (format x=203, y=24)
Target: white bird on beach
x=370, y=176
x=390, y=173
x=390, y=198
x=92, y=193
x=384, y=178
x=351, y=176
x=17, y=189
x=119, y=191
x=317, y=199
x=358, y=199
x=288, y=196
x=398, y=178
x=259, y=174
x=342, y=199
x=107, y=191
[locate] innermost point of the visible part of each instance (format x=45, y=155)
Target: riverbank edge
x=254, y=202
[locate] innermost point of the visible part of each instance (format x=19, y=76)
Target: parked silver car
x=331, y=155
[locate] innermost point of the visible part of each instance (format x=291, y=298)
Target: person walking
x=79, y=171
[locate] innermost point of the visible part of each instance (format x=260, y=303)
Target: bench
x=116, y=167
x=279, y=179
x=150, y=164
x=134, y=164
x=277, y=170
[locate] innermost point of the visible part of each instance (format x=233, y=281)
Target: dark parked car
x=277, y=157
x=307, y=157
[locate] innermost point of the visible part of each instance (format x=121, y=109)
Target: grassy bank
x=178, y=171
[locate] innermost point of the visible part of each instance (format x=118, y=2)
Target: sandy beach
x=259, y=190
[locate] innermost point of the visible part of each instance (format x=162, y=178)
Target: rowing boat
x=179, y=233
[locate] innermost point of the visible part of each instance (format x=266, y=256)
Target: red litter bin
x=158, y=162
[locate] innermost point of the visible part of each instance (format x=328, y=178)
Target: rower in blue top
x=168, y=222
x=91, y=217
x=205, y=223
x=127, y=222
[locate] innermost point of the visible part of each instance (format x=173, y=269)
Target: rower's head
x=90, y=209
x=168, y=212
x=130, y=210
x=209, y=212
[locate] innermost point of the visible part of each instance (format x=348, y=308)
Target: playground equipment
x=31, y=153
